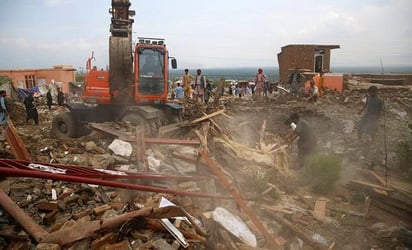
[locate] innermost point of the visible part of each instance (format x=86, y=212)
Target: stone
x=123, y=245
x=121, y=148
x=107, y=239
x=162, y=244
x=48, y=246
x=144, y=235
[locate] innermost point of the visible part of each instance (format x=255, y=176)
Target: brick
x=101, y=209
x=117, y=205
x=144, y=235
x=48, y=246
x=45, y=206
x=123, y=245
x=81, y=245
x=107, y=239
x=81, y=214
x=71, y=199
x=161, y=244
x=50, y=218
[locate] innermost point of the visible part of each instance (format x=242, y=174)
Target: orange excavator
x=134, y=88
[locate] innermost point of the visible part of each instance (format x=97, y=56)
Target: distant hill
x=248, y=73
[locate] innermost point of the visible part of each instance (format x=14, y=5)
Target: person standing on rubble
x=31, y=110
x=320, y=82
x=49, y=99
x=313, y=92
x=208, y=92
x=369, y=122
x=3, y=114
x=200, y=85
x=307, y=139
x=187, y=78
x=60, y=97
x=296, y=82
x=260, y=79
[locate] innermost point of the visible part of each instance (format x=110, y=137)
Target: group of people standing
x=297, y=85
x=30, y=104
x=200, y=90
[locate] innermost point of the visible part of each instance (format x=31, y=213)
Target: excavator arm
x=121, y=52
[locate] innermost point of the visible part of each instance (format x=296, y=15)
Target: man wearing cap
x=186, y=82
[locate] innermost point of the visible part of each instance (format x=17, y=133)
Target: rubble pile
x=231, y=184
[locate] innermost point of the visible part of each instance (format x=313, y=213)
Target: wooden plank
x=205, y=117
x=370, y=185
x=277, y=209
x=379, y=178
x=20, y=152
x=319, y=211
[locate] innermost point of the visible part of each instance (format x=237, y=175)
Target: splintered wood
x=267, y=155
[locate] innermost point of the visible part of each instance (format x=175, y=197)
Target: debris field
x=223, y=178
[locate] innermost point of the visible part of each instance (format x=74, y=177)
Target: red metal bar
x=16, y=143
x=171, y=141
x=270, y=241
x=80, y=179
x=22, y=218
x=93, y=173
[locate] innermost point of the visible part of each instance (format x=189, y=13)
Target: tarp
x=23, y=93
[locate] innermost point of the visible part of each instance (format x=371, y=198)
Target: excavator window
x=151, y=78
x=151, y=63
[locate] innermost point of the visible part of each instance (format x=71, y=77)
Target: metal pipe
x=93, y=173
x=79, y=179
x=22, y=218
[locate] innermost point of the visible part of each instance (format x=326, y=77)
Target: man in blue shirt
x=179, y=91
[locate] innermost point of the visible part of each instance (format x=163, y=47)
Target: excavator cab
x=151, y=61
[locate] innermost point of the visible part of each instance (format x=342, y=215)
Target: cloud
x=19, y=43
x=53, y=3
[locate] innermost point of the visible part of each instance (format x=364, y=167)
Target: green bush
x=323, y=171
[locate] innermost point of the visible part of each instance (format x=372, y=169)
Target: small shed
x=307, y=56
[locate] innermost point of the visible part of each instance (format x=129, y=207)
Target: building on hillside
x=311, y=57
x=61, y=75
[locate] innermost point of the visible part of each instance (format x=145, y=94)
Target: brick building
x=62, y=75
x=306, y=56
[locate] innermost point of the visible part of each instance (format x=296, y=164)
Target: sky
x=208, y=33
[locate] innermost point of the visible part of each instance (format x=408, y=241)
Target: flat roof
x=50, y=69
x=320, y=46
